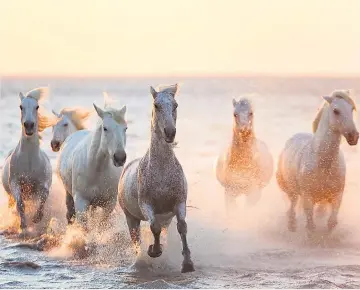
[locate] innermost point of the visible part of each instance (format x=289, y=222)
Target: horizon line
x=184, y=75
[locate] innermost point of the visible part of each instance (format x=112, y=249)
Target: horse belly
x=288, y=165
x=5, y=177
x=128, y=190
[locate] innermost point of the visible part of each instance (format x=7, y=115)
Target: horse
x=312, y=166
x=154, y=188
x=69, y=120
x=27, y=173
x=246, y=166
x=90, y=163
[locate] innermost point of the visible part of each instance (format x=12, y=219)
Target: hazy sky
x=133, y=37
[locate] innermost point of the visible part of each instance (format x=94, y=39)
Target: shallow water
x=254, y=249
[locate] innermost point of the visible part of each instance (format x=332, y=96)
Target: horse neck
x=98, y=156
x=326, y=142
x=160, y=150
x=73, y=128
x=239, y=146
x=29, y=144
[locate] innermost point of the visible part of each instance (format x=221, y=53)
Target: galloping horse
x=313, y=166
x=154, y=188
x=90, y=164
x=27, y=173
x=246, y=167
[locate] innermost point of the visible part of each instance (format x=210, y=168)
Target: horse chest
x=322, y=183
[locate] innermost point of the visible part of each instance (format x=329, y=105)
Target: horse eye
x=175, y=106
x=126, y=128
x=65, y=125
x=235, y=115
x=336, y=112
x=105, y=129
x=156, y=106
x=251, y=114
x=37, y=108
x=21, y=107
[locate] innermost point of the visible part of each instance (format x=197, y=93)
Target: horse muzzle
x=55, y=145
x=29, y=128
x=119, y=159
x=352, y=138
x=170, y=134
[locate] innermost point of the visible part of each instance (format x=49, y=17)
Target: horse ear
x=56, y=114
x=234, y=102
x=99, y=111
x=153, y=92
x=176, y=89
x=122, y=111
x=328, y=99
x=21, y=96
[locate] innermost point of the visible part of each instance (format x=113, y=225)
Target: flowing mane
x=44, y=121
x=340, y=94
x=169, y=89
x=117, y=114
x=78, y=116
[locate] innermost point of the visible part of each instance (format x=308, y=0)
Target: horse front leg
x=335, y=206
x=154, y=250
x=291, y=213
x=81, y=207
x=230, y=200
x=180, y=211
x=253, y=196
x=44, y=193
x=20, y=206
x=309, y=212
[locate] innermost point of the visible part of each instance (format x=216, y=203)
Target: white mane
x=78, y=116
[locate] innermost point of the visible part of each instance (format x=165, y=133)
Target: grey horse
x=154, y=188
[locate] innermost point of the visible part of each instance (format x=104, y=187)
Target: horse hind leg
x=134, y=230
x=70, y=207
x=335, y=206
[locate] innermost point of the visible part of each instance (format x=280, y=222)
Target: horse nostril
x=55, y=144
x=29, y=125
x=170, y=132
x=120, y=158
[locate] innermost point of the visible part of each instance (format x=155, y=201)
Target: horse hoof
x=154, y=253
x=187, y=267
x=24, y=234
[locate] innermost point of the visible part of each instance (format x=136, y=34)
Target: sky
x=173, y=37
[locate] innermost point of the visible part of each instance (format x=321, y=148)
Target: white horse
x=69, y=120
x=154, y=188
x=27, y=173
x=247, y=166
x=90, y=164
x=312, y=165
